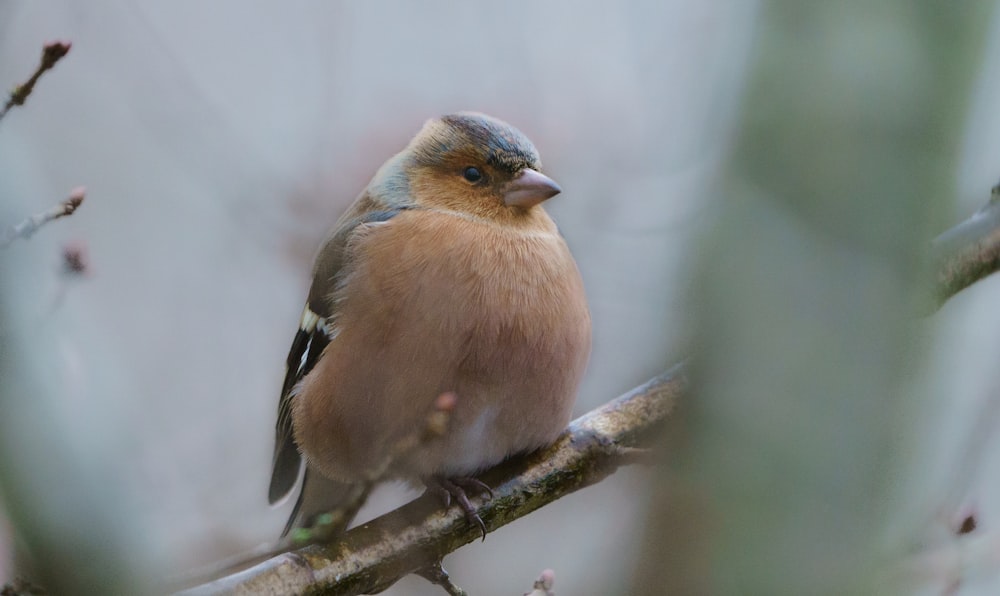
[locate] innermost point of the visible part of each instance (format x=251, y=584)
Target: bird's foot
x=460, y=488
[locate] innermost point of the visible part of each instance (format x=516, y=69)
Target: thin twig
x=377, y=554
x=30, y=225
x=51, y=54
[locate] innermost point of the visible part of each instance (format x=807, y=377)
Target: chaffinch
x=445, y=277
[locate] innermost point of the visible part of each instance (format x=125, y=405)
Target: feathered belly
x=505, y=328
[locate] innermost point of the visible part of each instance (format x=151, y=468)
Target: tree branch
x=969, y=251
x=375, y=555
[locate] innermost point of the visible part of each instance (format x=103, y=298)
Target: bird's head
x=476, y=164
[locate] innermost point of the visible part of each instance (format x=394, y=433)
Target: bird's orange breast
x=436, y=301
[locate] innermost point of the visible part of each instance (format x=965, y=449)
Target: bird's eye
x=472, y=174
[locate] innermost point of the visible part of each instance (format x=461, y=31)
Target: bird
x=444, y=280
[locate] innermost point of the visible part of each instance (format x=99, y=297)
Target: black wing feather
x=287, y=459
x=310, y=341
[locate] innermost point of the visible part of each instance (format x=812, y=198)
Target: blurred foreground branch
x=30, y=225
x=375, y=555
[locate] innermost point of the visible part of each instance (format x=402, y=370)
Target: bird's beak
x=529, y=189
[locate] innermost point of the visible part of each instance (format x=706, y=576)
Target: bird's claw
x=460, y=488
x=473, y=486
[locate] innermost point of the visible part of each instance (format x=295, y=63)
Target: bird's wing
x=308, y=344
x=312, y=337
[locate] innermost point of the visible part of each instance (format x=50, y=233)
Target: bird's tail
x=320, y=495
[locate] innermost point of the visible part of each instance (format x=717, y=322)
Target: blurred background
x=219, y=142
